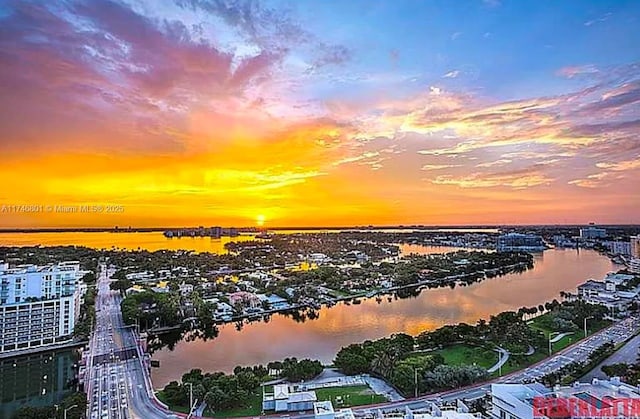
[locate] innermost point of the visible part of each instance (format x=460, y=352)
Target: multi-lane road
x=117, y=380
x=628, y=354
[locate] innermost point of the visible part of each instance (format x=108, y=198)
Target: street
x=118, y=384
x=627, y=354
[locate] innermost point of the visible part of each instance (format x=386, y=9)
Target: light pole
x=190, y=397
x=585, y=325
x=67, y=409
x=415, y=381
x=550, y=336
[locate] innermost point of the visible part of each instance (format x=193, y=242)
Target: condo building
x=38, y=304
x=634, y=246
x=514, y=242
x=592, y=232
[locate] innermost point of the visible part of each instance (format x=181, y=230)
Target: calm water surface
x=129, y=241
x=154, y=240
x=338, y=326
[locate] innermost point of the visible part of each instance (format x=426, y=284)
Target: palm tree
x=385, y=360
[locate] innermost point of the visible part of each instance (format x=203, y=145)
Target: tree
x=175, y=394
x=28, y=412
x=403, y=378
x=384, y=361
x=215, y=398
x=121, y=285
x=248, y=380
x=615, y=370
x=351, y=360
x=403, y=343
x=89, y=278
x=453, y=376
x=48, y=412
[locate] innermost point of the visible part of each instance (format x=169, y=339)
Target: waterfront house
x=275, y=302
x=244, y=299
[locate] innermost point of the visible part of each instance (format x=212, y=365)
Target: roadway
x=118, y=382
x=628, y=354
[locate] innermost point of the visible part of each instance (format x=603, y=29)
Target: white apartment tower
x=38, y=304
x=634, y=246
x=634, y=263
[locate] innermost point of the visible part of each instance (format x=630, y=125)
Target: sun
x=260, y=220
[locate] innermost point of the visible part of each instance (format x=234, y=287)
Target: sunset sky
x=357, y=112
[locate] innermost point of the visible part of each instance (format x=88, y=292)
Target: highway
x=118, y=383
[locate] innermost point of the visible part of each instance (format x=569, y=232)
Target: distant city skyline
x=310, y=113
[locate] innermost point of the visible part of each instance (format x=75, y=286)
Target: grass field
x=349, y=396
x=462, y=354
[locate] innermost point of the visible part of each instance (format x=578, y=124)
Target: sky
x=318, y=113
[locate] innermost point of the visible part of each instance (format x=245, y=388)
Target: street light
x=190, y=397
x=585, y=325
x=415, y=381
x=67, y=409
x=550, y=335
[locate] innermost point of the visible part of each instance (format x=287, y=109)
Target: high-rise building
x=38, y=304
x=620, y=248
x=592, y=232
x=513, y=242
x=216, y=232
x=634, y=246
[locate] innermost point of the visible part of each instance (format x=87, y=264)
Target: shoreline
x=419, y=286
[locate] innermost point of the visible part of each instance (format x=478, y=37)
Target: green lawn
x=462, y=354
x=566, y=341
x=516, y=363
x=349, y=396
